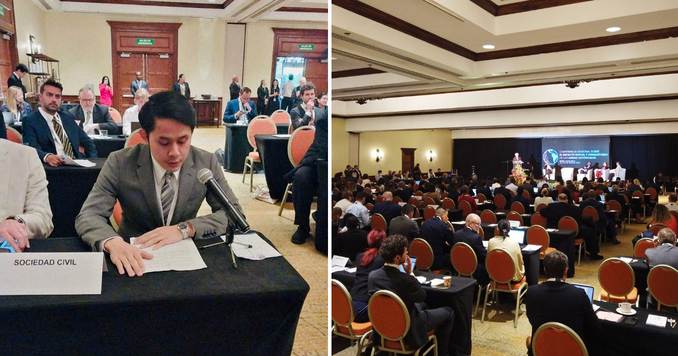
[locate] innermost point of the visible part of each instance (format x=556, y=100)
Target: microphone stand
x=230, y=233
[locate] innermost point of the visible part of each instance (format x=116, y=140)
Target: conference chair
x=569, y=223
x=428, y=200
x=518, y=206
x=501, y=268
x=538, y=219
x=554, y=338
x=488, y=216
x=641, y=246
x=282, y=117
x=14, y=135
x=421, y=249
x=481, y=198
x=117, y=214
x=391, y=320
x=539, y=207
x=413, y=201
x=465, y=262
x=656, y=227
x=343, y=318
x=448, y=203
x=653, y=195
x=537, y=235
x=465, y=208
x=661, y=285
x=514, y=216
x=300, y=141
x=617, y=281
x=592, y=213
x=115, y=115
x=616, y=208
x=378, y=222
x=500, y=202
x=261, y=125
x=429, y=212
x=639, y=195
x=135, y=138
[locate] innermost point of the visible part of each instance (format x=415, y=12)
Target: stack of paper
x=531, y=248
x=78, y=162
x=179, y=256
x=609, y=316
x=656, y=320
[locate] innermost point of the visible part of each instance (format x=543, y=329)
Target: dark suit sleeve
x=188, y=91
x=108, y=123
x=175, y=88
x=413, y=289
x=30, y=137
x=297, y=118
x=414, y=230
x=318, y=149
x=87, y=143
x=480, y=250
x=3, y=129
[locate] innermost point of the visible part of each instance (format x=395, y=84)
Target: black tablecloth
x=321, y=239
x=68, y=188
x=282, y=128
x=459, y=296
x=640, y=270
x=273, y=153
x=214, y=311
x=236, y=148
x=107, y=145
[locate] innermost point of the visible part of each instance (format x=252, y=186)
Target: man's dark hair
x=392, y=246
x=407, y=209
x=360, y=195
x=166, y=105
x=308, y=86
x=351, y=221
x=51, y=83
x=181, y=75
x=555, y=264
x=21, y=67
x=245, y=90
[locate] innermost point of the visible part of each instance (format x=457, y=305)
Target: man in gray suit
x=403, y=224
x=157, y=187
x=138, y=83
x=666, y=251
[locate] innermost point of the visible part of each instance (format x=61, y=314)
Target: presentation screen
x=575, y=151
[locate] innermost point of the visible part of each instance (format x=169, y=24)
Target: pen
x=214, y=244
x=242, y=244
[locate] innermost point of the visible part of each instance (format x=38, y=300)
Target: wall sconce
x=378, y=155
x=430, y=155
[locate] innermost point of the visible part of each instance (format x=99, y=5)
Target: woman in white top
x=545, y=198
x=502, y=241
x=132, y=113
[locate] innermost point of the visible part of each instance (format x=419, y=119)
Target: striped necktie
x=167, y=195
x=68, y=149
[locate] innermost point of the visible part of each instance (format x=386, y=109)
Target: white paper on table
x=336, y=269
x=656, y=320
x=459, y=222
x=421, y=279
x=179, y=256
x=486, y=243
x=531, y=248
x=626, y=259
x=340, y=261
x=595, y=307
x=437, y=282
x=260, y=249
x=551, y=230
x=282, y=135
x=78, y=162
x=609, y=316
x=351, y=270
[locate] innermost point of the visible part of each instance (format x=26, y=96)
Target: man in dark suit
x=182, y=87
x=666, y=251
x=394, y=252
x=403, y=224
x=555, y=300
x=297, y=94
x=306, y=113
x=388, y=209
x=240, y=108
x=138, y=83
x=54, y=133
x=234, y=88
x=436, y=231
x=92, y=117
x=554, y=211
x=14, y=80
x=469, y=235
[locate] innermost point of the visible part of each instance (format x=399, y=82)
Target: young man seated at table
x=556, y=300
x=157, y=186
x=54, y=133
x=393, y=250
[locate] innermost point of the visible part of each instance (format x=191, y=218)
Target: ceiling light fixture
x=488, y=46
x=613, y=29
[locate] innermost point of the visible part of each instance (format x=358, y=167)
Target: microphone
x=234, y=215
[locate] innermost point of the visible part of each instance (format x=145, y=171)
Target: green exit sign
x=2, y=10
x=145, y=42
x=306, y=46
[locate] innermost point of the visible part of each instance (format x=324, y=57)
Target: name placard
x=53, y=273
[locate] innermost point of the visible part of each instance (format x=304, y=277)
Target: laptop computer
x=135, y=125
x=414, y=264
x=517, y=235
x=586, y=288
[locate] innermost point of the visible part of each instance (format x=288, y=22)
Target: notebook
x=587, y=288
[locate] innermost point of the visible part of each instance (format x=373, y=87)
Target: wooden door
x=6, y=67
x=316, y=73
x=407, y=159
x=159, y=72
x=128, y=65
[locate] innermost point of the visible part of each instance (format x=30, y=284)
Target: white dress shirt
x=130, y=115
x=57, y=140
x=358, y=210
x=158, y=176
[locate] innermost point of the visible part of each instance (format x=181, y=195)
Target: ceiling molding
x=157, y=3
x=524, y=6
x=302, y=9
x=355, y=72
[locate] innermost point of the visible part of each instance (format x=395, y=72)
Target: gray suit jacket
x=127, y=176
x=662, y=254
x=402, y=225
x=299, y=117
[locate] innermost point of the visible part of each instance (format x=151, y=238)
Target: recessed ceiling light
x=488, y=46
x=613, y=29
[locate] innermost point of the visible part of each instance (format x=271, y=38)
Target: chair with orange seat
x=514, y=216
x=617, y=281
x=500, y=202
x=518, y=207
x=343, y=318
x=429, y=212
x=378, y=222
x=391, y=320
x=501, y=269
x=412, y=201
x=282, y=117
x=14, y=135
x=481, y=198
x=538, y=219
x=642, y=245
x=488, y=216
x=421, y=249
x=465, y=262
x=537, y=235
x=656, y=227
x=569, y=223
x=115, y=115
x=448, y=203
x=135, y=138
x=465, y=208
x=554, y=338
x=539, y=207
x=428, y=200
x=592, y=213
x=299, y=143
x=661, y=285
x=615, y=207
x=117, y=213
x=260, y=125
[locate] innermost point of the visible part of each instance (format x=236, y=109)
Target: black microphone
x=234, y=215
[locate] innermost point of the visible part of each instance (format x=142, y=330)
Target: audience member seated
x=92, y=117
x=16, y=105
x=555, y=300
x=403, y=224
x=662, y=215
x=404, y=191
x=553, y=212
x=240, y=108
x=306, y=113
x=467, y=197
x=132, y=113
x=394, y=252
x=366, y=262
x=388, y=209
x=437, y=231
x=520, y=198
x=545, y=198
x=672, y=205
x=351, y=239
x=24, y=211
x=469, y=235
x=336, y=223
x=359, y=210
x=512, y=186
x=604, y=225
x=53, y=133
x=666, y=251
x=511, y=246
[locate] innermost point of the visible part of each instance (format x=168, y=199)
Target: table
x=273, y=153
x=68, y=188
x=321, y=239
x=236, y=147
x=108, y=144
x=459, y=296
x=283, y=129
x=254, y=311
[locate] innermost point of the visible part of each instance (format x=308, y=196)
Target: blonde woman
x=16, y=104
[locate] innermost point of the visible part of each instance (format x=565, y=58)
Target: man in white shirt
x=182, y=87
x=359, y=210
x=132, y=113
x=345, y=202
x=545, y=198
x=288, y=94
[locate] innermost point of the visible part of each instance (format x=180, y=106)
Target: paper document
x=551, y=230
x=656, y=320
x=340, y=261
x=437, y=282
x=336, y=269
x=458, y=222
x=282, y=135
x=531, y=247
x=626, y=259
x=259, y=249
x=351, y=270
x=78, y=162
x=486, y=243
x=609, y=316
x=179, y=256
x=595, y=307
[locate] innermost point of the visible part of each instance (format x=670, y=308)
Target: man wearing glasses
x=469, y=235
x=91, y=116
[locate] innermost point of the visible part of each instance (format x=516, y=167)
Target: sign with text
x=145, y=42
x=575, y=151
x=54, y=273
x=306, y=46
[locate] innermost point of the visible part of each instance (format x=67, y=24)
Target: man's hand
x=89, y=128
x=310, y=105
x=159, y=237
x=15, y=233
x=126, y=257
x=54, y=160
x=407, y=265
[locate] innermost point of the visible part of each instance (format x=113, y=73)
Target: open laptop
x=586, y=288
x=517, y=235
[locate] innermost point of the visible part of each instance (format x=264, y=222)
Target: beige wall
x=30, y=20
x=339, y=145
x=390, y=142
